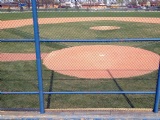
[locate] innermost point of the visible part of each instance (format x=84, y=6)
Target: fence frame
x=39, y=69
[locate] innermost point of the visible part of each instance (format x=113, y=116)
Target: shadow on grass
x=127, y=99
x=50, y=90
x=51, y=84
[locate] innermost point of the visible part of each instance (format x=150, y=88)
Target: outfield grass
x=81, y=30
x=27, y=15
x=22, y=75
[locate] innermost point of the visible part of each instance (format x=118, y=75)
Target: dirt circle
x=104, y=27
x=102, y=61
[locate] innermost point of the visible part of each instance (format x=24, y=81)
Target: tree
x=120, y=2
x=133, y=2
x=37, y=3
x=127, y=1
x=75, y=3
x=90, y=1
x=28, y=4
x=46, y=4
x=53, y=2
x=60, y=3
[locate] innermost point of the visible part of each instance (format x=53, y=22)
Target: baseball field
x=20, y=73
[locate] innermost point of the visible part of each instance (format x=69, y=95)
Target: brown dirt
x=20, y=23
x=104, y=28
x=6, y=57
x=104, y=61
x=104, y=64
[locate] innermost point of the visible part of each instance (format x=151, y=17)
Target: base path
x=91, y=61
x=8, y=57
x=102, y=61
x=20, y=23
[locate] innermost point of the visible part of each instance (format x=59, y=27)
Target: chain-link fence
x=19, y=74
x=97, y=55
x=81, y=6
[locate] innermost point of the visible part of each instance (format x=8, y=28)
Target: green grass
x=28, y=47
x=27, y=15
x=81, y=30
x=22, y=75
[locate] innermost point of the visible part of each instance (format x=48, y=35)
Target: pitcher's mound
x=102, y=61
x=104, y=27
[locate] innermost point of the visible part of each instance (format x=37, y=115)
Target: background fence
x=19, y=81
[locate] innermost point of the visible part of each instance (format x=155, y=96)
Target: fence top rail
x=86, y=92
x=78, y=40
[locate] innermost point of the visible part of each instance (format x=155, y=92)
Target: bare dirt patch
x=104, y=27
x=102, y=61
x=8, y=57
x=23, y=22
x=101, y=72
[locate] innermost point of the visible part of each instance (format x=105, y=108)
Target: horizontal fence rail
x=39, y=69
x=86, y=92
x=76, y=40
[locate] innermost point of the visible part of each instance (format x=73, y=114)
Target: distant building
x=93, y=5
x=9, y=4
x=6, y=1
x=152, y=3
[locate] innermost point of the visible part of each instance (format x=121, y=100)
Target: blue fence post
x=156, y=105
x=38, y=56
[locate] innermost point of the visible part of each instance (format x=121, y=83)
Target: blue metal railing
x=86, y=92
x=79, y=40
x=157, y=97
x=39, y=71
x=38, y=56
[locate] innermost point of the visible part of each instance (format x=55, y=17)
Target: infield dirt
x=29, y=56
x=23, y=22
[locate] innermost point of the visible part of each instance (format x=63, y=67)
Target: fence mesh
x=81, y=66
